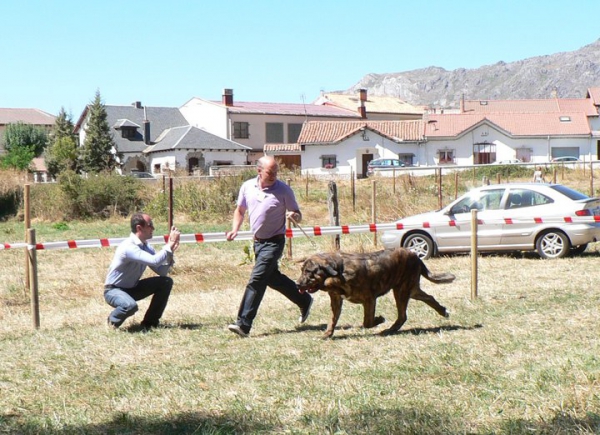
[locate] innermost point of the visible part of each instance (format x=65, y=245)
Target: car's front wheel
x=553, y=244
x=420, y=244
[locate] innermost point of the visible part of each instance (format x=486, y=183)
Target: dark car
x=139, y=174
x=384, y=164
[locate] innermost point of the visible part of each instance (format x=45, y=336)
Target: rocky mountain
x=566, y=75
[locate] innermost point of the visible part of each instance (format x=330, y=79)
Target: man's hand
x=230, y=235
x=294, y=216
x=174, y=237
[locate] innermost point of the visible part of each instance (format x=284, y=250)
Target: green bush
x=9, y=203
x=11, y=192
x=100, y=196
x=202, y=199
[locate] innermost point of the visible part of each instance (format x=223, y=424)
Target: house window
x=524, y=154
x=484, y=153
x=445, y=156
x=328, y=162
x=241, y=130
x=274, y=132
x=127, y=132
x=294, y=132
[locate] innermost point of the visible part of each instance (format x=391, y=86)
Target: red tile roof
x=27, y=116
x=550, y=105
x=281, y=147
x=289, y=109
x=515, y=124
x=594, y=95
x=322, y=132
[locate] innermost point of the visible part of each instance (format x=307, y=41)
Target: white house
x=193, y=149
x=255, y=124
x=345, y=147
x=478, y=139
x=156, y=139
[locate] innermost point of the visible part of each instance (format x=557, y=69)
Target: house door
x=193, y=163
x=366, y=158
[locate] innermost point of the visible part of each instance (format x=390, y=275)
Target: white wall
x=206, y=115
x=177, y=159
x=350, y=153
x=506, y=147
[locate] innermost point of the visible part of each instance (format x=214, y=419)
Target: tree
x=97, y=153
x=23, y=142
x=18, y=158
x=62, y=153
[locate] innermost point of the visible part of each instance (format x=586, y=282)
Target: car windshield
x=569, y=193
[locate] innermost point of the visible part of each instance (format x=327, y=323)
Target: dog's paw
x=447, y=314
x=327, y=335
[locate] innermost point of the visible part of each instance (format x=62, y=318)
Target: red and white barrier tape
x=296, y=232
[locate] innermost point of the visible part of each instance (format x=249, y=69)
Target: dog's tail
x=438, y=278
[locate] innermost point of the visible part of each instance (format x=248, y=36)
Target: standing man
x=123, y=286
x=268, y=201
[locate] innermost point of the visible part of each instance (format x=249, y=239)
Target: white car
x=566, y=159
x=551, y=219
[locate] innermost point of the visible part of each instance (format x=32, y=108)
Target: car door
x=520, y=215
x=457, y=236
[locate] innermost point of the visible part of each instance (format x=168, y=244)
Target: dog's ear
x=330, y=270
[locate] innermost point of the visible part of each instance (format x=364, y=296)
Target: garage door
x=565, y=152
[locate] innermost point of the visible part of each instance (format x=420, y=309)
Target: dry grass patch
x=522, y=358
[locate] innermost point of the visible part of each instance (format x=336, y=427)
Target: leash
x=303, y=232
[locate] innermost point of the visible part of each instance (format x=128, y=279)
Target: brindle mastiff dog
x=362, y=278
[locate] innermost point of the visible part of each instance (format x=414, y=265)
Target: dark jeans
x=124, y=300
x=266, y=273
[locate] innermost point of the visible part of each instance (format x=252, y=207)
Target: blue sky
x=58, y=53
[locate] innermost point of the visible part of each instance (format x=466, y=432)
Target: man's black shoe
x=306, y=311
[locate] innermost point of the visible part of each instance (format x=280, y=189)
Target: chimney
x=362, y=110
x=146, y=129
x=137, y=104
x=227, y=97
x=462, y=103
x=146, y=132
x=363, y=95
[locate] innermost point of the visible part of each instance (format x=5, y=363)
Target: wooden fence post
x=289, y=226
x=306, y=187
x=440, y=193
x=33, y=288
x=334, y=215
x=474, y=254
x=353, y=186
x=592, y=179
x=374, y=208
x=27, y=222
x=456, y=185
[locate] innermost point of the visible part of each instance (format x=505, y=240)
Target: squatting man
x=123, y=286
